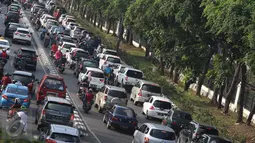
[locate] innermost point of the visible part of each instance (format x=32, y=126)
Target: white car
x=107, y=52
x=70, y=25
x=4, y=44
x=118, y=68
x=75, y=33
x=96, y=79
x=51, y=22
x=66, y=20
x=75, y=53
x=62, y=16
x=23, y=35
x=44, y=18
x=65, y=47
x=49, y=4
x=109, y=60
x=157, y=107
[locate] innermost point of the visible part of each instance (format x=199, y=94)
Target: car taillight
x=174, y=123
x=101, y=80
x=63, y=64
x=126, y=78
x=151, y=108
x=72, y=117
x=43, y=113
x=35, y=59
x=50, y=141
x=26, y=100
x=28, y=35
x=140, y=93
x=134, y=123
x=5, y=97
x=19, y=56
x=6, y=17
x=146, y=140
x=16, y=33
x=105, y=98
x=163, y=122
x=115, y=119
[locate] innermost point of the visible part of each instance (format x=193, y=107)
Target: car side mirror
x=8, y=48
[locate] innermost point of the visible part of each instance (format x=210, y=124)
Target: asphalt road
x=93, y=119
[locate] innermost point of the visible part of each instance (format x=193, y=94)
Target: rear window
x=23, y=31
x=119, y=94
x=113, y=60
x=89, y=64
x=182, y=115
x=151, y=88
x=66, y=108
x=111, y=53
x=125, y=112
x=54, y=84
x=28, y=53
x=208, y=130
x=67, y=40
x=81, y=54
x=4, y=43
x=65, y=137
x=135, y=74
x=97, y=74
x=162, y=104
x=23, y=79
x=17, y=91
x=162, y=134
x=12, y=26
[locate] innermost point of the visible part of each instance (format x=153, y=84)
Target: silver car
x=154, y=133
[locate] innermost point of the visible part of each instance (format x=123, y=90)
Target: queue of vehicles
x=55, y=114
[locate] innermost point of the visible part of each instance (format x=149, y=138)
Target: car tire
x=99, y=109
x=96, y=106
x=147, y=116
x=74, y=73
x=104, y=121
x=135, y=103
x=36, y=121
x=108, y=125
x=77, y=75
x=37, y=102
x=142, y=112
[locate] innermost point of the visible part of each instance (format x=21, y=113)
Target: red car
x=50, y=85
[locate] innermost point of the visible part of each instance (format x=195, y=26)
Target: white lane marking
x=46, y=62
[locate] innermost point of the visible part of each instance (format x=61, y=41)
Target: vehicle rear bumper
x=154, y=114
x=43, y=122
x=123, y=126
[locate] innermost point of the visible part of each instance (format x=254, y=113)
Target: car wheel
x=36, y=121
x=77, y=75
x=74, y=73
x=142, y=112
x=108, y=125
x=135, y=102
x=133, y=140
x=96, y=106
x=147, y=116
x=99, y=109
x=104, y=119
x=37, y=102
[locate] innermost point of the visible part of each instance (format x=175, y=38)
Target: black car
x=64, y=38
x=193, y=131
x=82, y=64
x=11, y=28
x=11, y=17
x=24, y=77
x=27, y=55
x=54, y=110
x=205, y=138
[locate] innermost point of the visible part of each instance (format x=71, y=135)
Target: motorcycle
x=20, y=65
x=52, y=54
x=87, y=107
x=83, y=89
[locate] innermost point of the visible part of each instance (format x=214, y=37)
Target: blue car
x=13, y=91
x=121, y=117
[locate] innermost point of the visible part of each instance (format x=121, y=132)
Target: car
x=15, y=2
x=49, y=5
x=65, y=47
x=43, y=18
x=128, y=77
x=96, y=80
x=83, y=63
x=66, y=20
x=110, y=95
x=13, y=91
x=54, y=110
x=24, y=77
x=70, y=25
x=11, y=28
x=60, y=30
x=15, y=5
x=205, y=138
x=23, y=35
x=154, y=133
x=62, y=16
x=194, y=130
x=177, y=120
x=14, y=9
x=109, y=59
x=75, y=33
x=50, y=85
x=121, y=117
x=52, y=29
x=74, y=55
x=107, y=52
x=5, y=45
x=46, y=19
x=143, y=90
x=157, y=107
x=35, y=10
x=50, y=23
x=60, y=133
x=11, y=17
x=36, y=5
x=28, y=55
x=117, y=69
x=64, y=38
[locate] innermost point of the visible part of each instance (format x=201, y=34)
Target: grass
x=200, y=108
x=4, y=138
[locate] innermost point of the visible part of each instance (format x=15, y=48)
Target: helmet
x=23, y=108
x=90, y=90
x=4, y=50
x=7, y=74
x=17, y=100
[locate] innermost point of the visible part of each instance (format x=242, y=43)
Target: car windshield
x=162, y=134
x=113, y=60
x=111, y=53
x=162, y=104
x=54, y=84
x=68, y=46
x=151, y=88
x=23, y=31
x=135, y=74
x=208, y=130
x=125, y=112
x=17, y=91
x=116, y=93
x=182, y=115
x=4, y=43
x=71, y=20
x=97, y=74
x=82, y=54
x=13, y=26
x=66, y=108
x=23, y=79
x=65, y=137
x=89, y=64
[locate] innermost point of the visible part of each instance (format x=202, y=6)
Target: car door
x=146, y=105
x=139, y=134
x=109, y=113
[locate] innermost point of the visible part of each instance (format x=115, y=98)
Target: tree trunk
x=171, y=72
x=221, y=94
x=99, y=21
x=120, y=34
x=252, y=112
x=109, y=26
x=95, y=20
x=215, y=96
x=205, y=70
x=114, y=28
x=131, y=38
x=84, y=11
x=128, y=31
x=147, y=51
x=176, y=74
x=242, y=94
x=162, y=66
x=232, y=89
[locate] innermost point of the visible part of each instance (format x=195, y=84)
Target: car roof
x=94, y=69
x=23, y=73
x=27, y=49
x=17, y=86
x=112, y=56
x=54, y=76
x=159, y=126
x=203, y=124
x=109, y=50
x=4, y=40
x=131, y=68
x=149, y=82
x=55, y=128
x=58, y=99
x=124, y=107
x=79, y=49
x=69, y=43
x=161, y=98
x=13, y=23
x=115, y=88
x=24, y=29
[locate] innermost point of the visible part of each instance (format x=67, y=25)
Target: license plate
x=93, y=85
x=22, y=35
x=124, y=127
x=161, y=114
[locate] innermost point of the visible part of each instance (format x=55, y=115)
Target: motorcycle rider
x=30, y=86
x=6, y=80
x=23, y=117
x=54, y=48
x=17, y=105
x=1, y=37
x=58, y=56
x=88, y=98
x=43, y=33
x=4, y=54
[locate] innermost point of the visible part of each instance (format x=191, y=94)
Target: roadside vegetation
x=203, y=39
